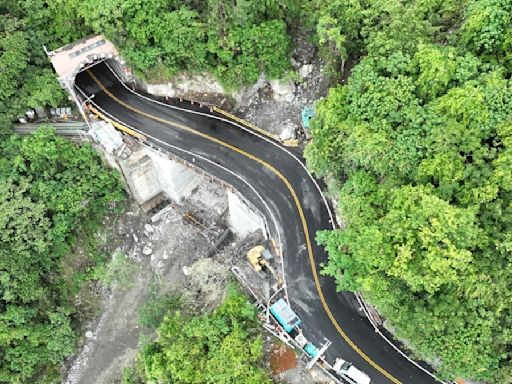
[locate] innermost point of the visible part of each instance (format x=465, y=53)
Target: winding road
x=276, y=181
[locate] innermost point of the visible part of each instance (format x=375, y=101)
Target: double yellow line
x=297, y=204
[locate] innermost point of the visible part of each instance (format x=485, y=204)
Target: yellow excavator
x=259, y=257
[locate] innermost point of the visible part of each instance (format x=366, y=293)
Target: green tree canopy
x=487, y=30
x=420, y=137
x=26, y=78
x=235, y=40
x=223, y=346
x=47, y=187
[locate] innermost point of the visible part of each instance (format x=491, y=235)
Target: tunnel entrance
x=74, y=58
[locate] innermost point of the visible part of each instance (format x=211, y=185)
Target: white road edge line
x=331, y=218
x=365, y=310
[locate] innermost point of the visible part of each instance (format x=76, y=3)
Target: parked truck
x=290, y=323
x=347, y=370
x=284, y=315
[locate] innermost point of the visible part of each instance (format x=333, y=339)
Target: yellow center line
x=297, y=203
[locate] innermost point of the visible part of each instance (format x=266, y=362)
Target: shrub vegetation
x=223, y=346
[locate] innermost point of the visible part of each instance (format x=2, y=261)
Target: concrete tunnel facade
x=79, y=55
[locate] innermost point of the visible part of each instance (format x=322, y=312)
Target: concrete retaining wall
x=140, y=175
x=175, y=180
x=244, y=220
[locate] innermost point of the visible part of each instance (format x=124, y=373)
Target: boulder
x=245, y=95
x=288, y=131
x=106, y=135
x=283, y=90
x=149, y=228
x=306, y=70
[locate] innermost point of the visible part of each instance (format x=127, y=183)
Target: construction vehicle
x=259, y=257
x=347, y=370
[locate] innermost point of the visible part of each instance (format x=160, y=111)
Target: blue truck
x=284, y=315
x=307, y=114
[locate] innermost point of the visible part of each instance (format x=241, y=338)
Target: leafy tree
x=13, y=61
x=347, y=30
x=223, y=346
x=437, y=67
x=156, y=39
x=324, y=154
x=377, y=108
x=47, y=187
x=26, y=80
x=487, y=30
x=235, y=40
x=248, y=52
x=420, y=137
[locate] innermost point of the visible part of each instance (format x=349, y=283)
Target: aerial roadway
x=276, y=181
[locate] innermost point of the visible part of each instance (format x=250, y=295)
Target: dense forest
x=48, y=186
x=26, y=77
x=416, y=143
x=419, y=143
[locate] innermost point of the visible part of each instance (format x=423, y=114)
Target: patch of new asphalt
x=302, y=292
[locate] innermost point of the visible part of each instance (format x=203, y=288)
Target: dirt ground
x=287, y=367
x=282, y=358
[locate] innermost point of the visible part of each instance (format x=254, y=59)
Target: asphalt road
x=297, y=205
